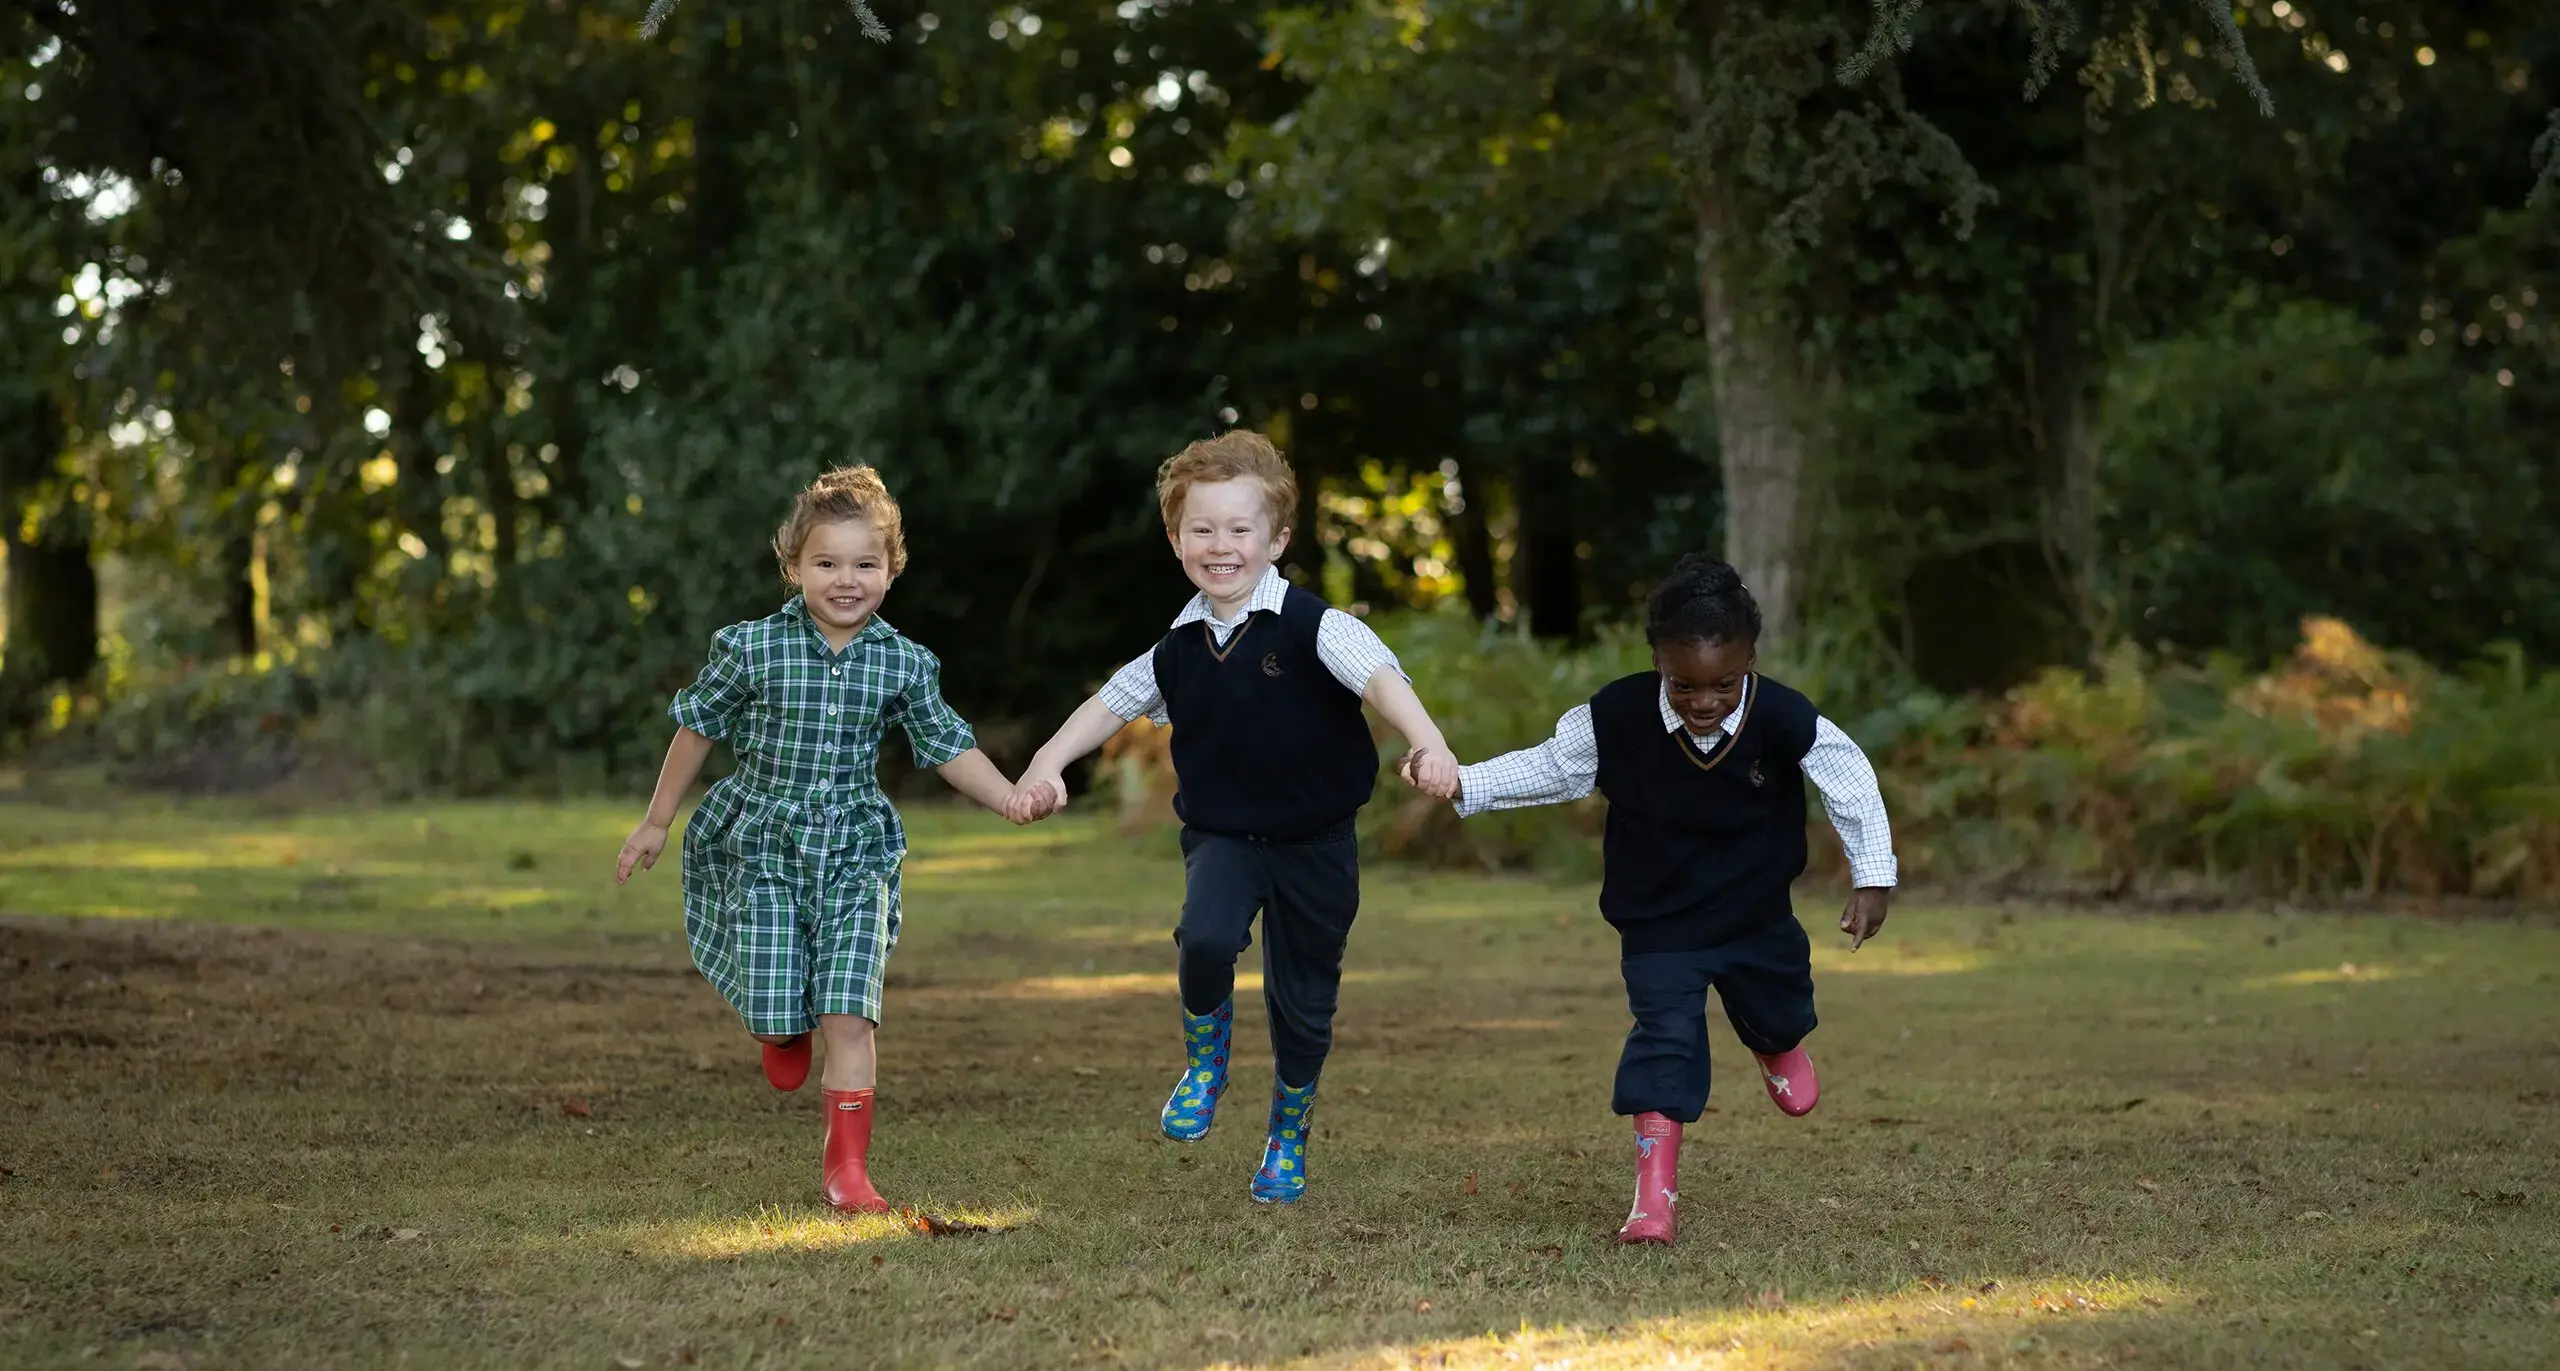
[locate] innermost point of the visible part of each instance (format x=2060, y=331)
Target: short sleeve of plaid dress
x=791, y=861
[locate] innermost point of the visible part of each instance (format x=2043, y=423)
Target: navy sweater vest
x=1699, y=848
x=1266, y=743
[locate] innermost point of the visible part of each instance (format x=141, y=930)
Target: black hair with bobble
x=1703, y=600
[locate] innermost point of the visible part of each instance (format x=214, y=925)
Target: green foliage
x=2348, y=771
x=2284, y=464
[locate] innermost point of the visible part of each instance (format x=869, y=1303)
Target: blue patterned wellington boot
x=1193, y=1105
x=1283, y=1177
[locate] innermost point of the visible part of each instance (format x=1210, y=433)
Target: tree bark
x=1762, y=437
x=53, y=587
x=237, y=510
x=1471, y=537
x=1544, y=573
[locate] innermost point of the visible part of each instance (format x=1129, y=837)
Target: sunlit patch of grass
x=2344, y=973
x=1105, y=986
x=1996, y=1318
x=1890, y=959
x=777, y=1229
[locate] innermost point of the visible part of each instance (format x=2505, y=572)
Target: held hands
x=1430, y=770
x=640, y=851
x=1864, y=915
x=1035, y=797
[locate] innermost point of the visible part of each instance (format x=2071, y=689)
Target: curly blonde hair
x=843, y=495
x=1232, y=455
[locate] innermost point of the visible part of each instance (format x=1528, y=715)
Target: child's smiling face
x=843, y=574
x=1226, y=541
x=1704, y=679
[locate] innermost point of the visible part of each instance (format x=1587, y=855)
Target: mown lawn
x=417, y=1086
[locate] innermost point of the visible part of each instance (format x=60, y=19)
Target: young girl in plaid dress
x=791, y=861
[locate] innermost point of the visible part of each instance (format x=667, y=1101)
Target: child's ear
x=1279, y=542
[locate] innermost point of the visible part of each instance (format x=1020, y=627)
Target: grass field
x=418, y=1087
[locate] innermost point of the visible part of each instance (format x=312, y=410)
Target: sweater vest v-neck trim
x=1266, y=743
x=1699, y=848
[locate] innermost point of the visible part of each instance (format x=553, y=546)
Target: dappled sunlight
x=1766, y=1330
x=1889, y=959
x=495, y=897
x=966, y=863
x=231, y=855
x=1112, y=985
x=784, y=1230
x=2344, y=973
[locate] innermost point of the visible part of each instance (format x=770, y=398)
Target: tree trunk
x=1303, y=560
x=1762, y=438
x=237, y=510
x=1544, y=574
x=421, y=488
x=53, y=588
x=1471, y=538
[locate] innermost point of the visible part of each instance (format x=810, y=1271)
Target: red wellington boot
x=1657, y=1203
x=847, y=1162
x=787, y=1064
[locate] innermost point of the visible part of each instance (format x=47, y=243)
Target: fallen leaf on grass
x=683, y=1356
x=1769, y=1299
x=1088, y=1070
x=629, y=1363
x=878, y=1260
x=1989, y=1287
x=399, y=1234
x=1552, y=1252
x=1826, y=1201
x=1467, y=1186
x=576, y=1108
x=936, y=1226
x=1004, y=1313
x=1955, y=1345
x=2311, y=1216
x=2148, y=1184
x=1359, y=1090
x=1422, y=1306
x=159, y=1361
x=1933, y=1283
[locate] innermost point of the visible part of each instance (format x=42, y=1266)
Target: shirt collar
x=1268, y=594
x=1731, y=723
x=873, y=629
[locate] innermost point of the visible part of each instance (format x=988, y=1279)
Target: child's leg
x=1315, y=894
x=1766, y=984
x=1662, y=1078
x=853, y=1061
x=1222, y=889
x=850, y=942
x=1663, y=1069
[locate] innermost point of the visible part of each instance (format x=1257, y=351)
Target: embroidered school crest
x=1757, y=776
x=1271, y=664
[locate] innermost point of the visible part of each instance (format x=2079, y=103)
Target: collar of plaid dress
x=873, y=629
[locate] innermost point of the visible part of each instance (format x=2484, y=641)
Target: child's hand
x=640, y=850
x=1864, y=915
x=1430, y=770
x=1035, y=797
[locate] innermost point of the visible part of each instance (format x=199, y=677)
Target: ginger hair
x=843, y=495
x=1230, y=456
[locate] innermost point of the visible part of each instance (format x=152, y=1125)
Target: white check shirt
x=1350, y=649
x=1567, y=767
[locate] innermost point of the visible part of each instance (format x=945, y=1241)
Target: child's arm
x=1043, y=789
x=684, y=762
x=1429, y=765
x=1565, y=767
x=1840, y=770
x=1131, y=692
x=973, y=775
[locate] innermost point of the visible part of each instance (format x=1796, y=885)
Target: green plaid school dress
x=791, y=861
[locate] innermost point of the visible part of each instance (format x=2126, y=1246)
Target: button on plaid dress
x=791, y=861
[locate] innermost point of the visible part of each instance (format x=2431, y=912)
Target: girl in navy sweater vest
x=1704, y=763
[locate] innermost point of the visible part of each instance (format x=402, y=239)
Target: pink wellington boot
x=1789, y=1077
x=786, y=1065
x=1657, y=1182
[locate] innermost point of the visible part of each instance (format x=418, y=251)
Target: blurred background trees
x=417, y=384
